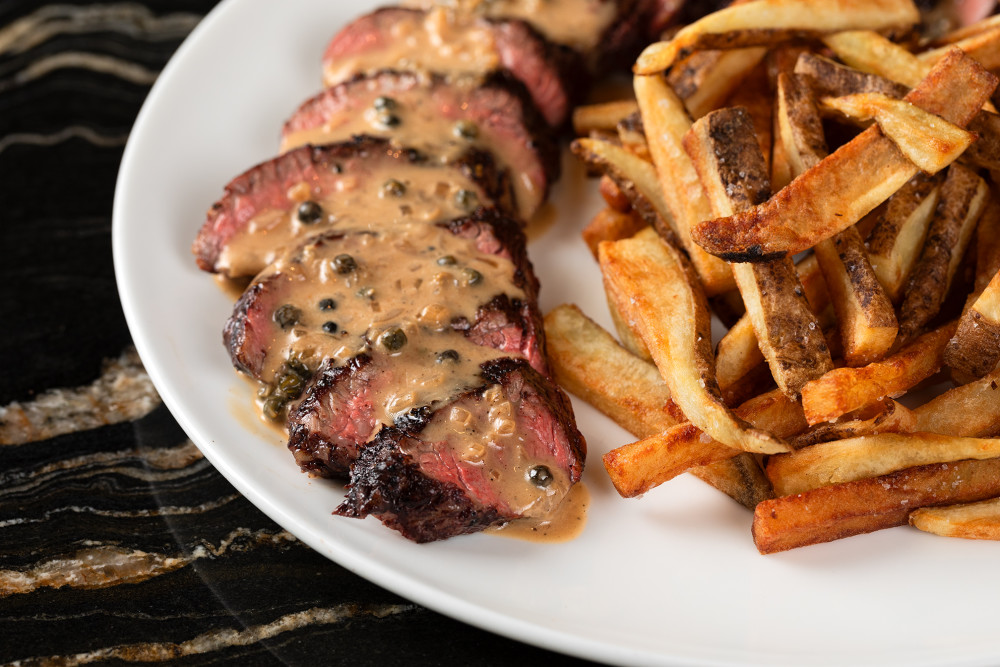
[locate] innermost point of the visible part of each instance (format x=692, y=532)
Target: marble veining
x=72, y=132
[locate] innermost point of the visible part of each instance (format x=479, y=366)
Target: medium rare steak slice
x=506, y=450
x=272, y=207
x=455, y=45
x=440, y=118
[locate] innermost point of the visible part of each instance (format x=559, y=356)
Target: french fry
x=588, y=362
x=830, y=79
x=671, y=314
x=971, y=521
x=963, y=198
x=666, y=122
x=610, y=225
x=640, y=466
x=897, y=237
x=707, y=78
x=975, y=349
x=635, y=177
x=985, y=151
x=970, y=30
x=722, y=148
x=866, y=505
x=887, y=417
x=926, y=140
x=870, y=52
x=754, y=96
x=971, y=410
x=983, y=46
x=603, y=117
x=850, y=182
x=768, y=22
x=868, y=456
x=613, y=195
x=988, y=243
x=633, y=136
x=843, y=390
x=865, y=314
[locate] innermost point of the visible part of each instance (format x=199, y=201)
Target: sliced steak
x=455, y=45
x=506, y=450
x=272, y=207
x=440, y=118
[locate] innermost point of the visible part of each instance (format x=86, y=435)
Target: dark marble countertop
x=120, y=542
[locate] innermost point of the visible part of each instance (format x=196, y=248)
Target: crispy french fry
x=970, y=410
x=983, y=46
x=769, y=22
x=975, y=349
x=887, y=417
x=707, y=78
x=963, y=198
x=926, y=140
x=985, y=151
x=633, y=136
x=588, y=362
x=624, y=327
x=841, y=510
x=610, y=225
x=671, y=314
x=970, y=30
x=850, y=182
x=722, y=148
x=667, y=122
x=639, y=466
x=897, y=237
x=635, y=177
x=870, y=52
x=613, y=195
x=971, y=521
x=843, y=390
x=865, y=314
x=830, y=79
x=603, y=117
x=852, y=459
x=988, y=243
x=754, y=96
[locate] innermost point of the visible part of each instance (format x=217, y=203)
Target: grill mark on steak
x=500, y=108
x=437, y=494
x=548, y=71
x=268, y=188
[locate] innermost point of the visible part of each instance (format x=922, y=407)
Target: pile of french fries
x=822, y=177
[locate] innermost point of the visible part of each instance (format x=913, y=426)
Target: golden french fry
x=850, y=182
x=926, y=140
x=666, y=123
x=971, y=410
x=639, y=466
x=726, y=156
x=769, y=22
x=848, y=460
x=633, y=136
x=610, y=225
x=843, y=390
x=870, y=52
x=963, y=198
x=603, y=117
x=707, y=78
x=984, y=46
x=970, y=30
x=897, y=237
x=975, y=349
x=971, y=521
x=671, y=314
x=830, y=79
x=613, y=195
x=887, y=417
x=866, y=505
x=988, y=243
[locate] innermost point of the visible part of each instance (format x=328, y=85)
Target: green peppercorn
x=290, y=385
x=393, y=340
x=273, y=407
x=466, y=199
x=309, y=212
x=447, y=260
x=287, y=316
x=388, y=120
x=465, y=129
x=472, y=277
x=383, y=103
x=366, y=293
x=540, y=476
x=327, y=304
x=344, y=264
x=393, y=188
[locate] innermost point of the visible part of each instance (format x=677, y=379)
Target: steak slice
x=273, y=206
x=441, y=118
x=516, y=457
x=455, y=45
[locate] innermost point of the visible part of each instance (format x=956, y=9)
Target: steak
x=432, y=480
x=273, y=206
x=439, y=117
x=455, y=45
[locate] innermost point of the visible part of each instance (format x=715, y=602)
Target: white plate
x=669, y=579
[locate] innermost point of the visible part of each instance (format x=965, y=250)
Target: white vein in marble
x=72, y=132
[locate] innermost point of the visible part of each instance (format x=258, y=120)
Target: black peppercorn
x=327, y=304
x=446, y=356
x=330, y=327
x=344, y=264
x=309, y=212
x=540, y=476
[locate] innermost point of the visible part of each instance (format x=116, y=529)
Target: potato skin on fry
x=863, y=506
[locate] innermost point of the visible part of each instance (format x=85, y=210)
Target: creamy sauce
x=434, y=129
x=354, y=198
x=579, y=24
x=565, y=524
x=439, y=42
